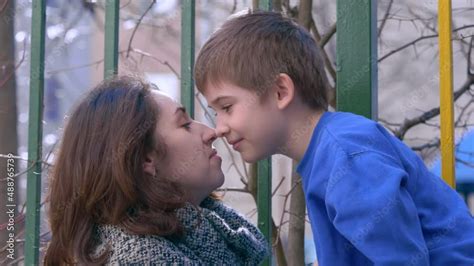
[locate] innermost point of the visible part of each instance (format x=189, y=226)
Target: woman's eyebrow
x=181, y=108
x=179, y=113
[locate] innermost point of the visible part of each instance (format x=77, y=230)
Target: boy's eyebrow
x=218, y=99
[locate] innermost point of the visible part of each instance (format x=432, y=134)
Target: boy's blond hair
x=250, y=50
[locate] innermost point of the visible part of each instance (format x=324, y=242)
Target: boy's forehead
x=216, y=91
x=214, y=96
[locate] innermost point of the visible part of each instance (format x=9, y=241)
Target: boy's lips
x=236, y=143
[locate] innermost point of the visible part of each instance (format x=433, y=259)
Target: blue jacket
x=372, y=201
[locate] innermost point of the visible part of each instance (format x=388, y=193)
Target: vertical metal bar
x=35, y=133
x=356, y=53
x=111, y=37
x=187, y=55
x=264, y=184
x=446, y=92
x=264, y=200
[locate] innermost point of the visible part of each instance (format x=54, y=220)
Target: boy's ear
x=149, y=164
x=285, y=90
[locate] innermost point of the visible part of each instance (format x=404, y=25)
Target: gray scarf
x=216, y=234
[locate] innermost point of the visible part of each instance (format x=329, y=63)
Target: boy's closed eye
x=227, y=108
x=221, y=103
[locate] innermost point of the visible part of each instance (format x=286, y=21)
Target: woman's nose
x=209, y=135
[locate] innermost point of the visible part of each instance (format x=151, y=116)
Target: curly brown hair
x=98, y=176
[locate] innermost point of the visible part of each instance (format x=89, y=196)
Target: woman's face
x=190, y=158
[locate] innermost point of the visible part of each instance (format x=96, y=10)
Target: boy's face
x=252, y=126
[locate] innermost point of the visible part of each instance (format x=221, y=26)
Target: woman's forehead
x=166, y=104
x=160, y=95
x=163, y=98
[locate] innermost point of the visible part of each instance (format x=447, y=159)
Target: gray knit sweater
x=216, y=235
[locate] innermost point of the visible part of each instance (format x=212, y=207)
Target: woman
x=133, y=182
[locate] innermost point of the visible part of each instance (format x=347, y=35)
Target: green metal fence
x=356, y=90
x=264, y=180
x=35, y=132
x=357, y=71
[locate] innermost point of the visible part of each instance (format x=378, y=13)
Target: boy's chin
x=252, y=158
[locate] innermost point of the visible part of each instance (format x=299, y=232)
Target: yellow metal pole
x=446, y=92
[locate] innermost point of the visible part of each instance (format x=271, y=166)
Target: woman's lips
x=214, y=155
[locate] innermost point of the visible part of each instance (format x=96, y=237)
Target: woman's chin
x=221, y=180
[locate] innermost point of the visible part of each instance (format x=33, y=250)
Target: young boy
x=370, y=199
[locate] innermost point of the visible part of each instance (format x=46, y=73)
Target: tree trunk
x=276, y=4
x=304, y=13
x=254, y=4
x=297, y=207
x=295, y=253
x=8, y=130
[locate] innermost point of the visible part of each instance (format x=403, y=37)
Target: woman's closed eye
x=187, y=125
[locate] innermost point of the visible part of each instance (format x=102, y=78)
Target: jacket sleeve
x=369, y=204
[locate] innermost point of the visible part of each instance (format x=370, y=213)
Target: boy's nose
x=221, y=130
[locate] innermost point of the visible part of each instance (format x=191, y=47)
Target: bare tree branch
x=425, y=146
x=133, y=50
x=327, y=62
x=3, y=6
x=138, y=25
x=469, y=58
x=278, y=186
x=304, y=13
x=252, y=187
x=417, y=40
x=295, y=185
x=409, y=123
x=9, y=75
x=326, y=37
x=466, y=163
x=384, y=20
